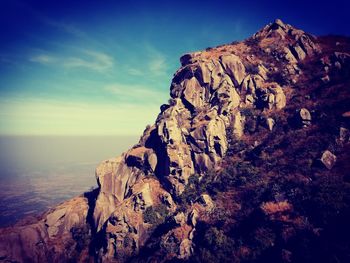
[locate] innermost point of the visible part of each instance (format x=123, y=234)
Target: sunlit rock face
x=190, y=136
x=211, y=95
x=46, y=239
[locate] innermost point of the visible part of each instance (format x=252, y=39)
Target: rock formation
x=214, y=97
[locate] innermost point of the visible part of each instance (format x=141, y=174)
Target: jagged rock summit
x=212, y=95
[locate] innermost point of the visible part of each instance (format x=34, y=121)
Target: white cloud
x=135, y=72
x=96, y=61
x=43, y=59
x=93, y=60
x=136, y=93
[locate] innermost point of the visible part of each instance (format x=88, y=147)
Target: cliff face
x=219, y=97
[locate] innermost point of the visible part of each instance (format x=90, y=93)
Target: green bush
x=155, y=215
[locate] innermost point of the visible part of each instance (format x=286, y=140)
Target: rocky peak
x=217, y=96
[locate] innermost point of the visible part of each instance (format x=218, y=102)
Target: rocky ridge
x=211, y=95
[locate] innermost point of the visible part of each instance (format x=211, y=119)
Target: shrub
x=81, y=236
x=155, y=215
x=252, y=69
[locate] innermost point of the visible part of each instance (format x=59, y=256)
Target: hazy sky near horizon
x=105, y=67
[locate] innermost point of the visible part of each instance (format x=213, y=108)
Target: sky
x=105, y=67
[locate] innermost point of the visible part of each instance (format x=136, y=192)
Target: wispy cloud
x=96, y=61
x=43, y=59
x=135, y=93
x=65, y=27
x=135, y=71
x=151, y=63
x=158, y=65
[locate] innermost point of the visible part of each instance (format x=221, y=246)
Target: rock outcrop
x=50, y=238
x=213, y=95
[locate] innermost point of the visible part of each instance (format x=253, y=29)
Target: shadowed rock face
x=211, y=94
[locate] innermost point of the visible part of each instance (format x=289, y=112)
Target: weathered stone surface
x=207, y=202
x=180, y=218
x=52, y=219
x=189, y=58
x=142, y=158
x=234, y=67
x=194, y=93
x=289, y=56
x=303, y=117
x=270, y=122
x=238, y=124
x=325, y=79
x=142, y=199
x=217, y=74
x=33, y=242
x=270, y=95
x=344, y=135
x=298, y=52
x=328, y=159
x=204, y=73
x=192, y=218
x=186, y=249
x=115, y=179
x=280, y=97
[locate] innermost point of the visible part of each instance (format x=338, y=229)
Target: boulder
x=344, y=135
x=270, y=96
x=237, y=124
x=52, y=218
x=303, y=117
x=289, y=55
x=298, y=52
x=251, y=83
x=328, y=159
x=180, y=218
x=142, y=158
x=270, y=122
x=207, y=202
x=115, y=179
x=280, y=97
x=234, y=67
x=217, y=74
x=193, y=216
x=226, y=97
x=193, y=92
x=142, y=199
x=204, y=73
x=325, y=79
x=188, y=58
x=202, y=162
x=185, y=250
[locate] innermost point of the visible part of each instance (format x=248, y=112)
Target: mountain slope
x=247, y=162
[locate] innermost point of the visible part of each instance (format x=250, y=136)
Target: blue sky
x=105, y=67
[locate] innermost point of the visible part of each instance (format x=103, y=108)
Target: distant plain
x=38, y=172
